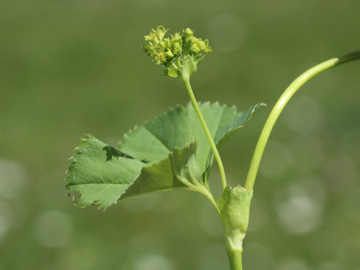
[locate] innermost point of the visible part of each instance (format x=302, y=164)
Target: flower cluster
x=193, y=45
x=163, y=50
x=180, y=53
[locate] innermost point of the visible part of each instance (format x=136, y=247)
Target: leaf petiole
x=208, y=194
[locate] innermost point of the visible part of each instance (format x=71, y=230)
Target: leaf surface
x=170, y=151
x=99, y=173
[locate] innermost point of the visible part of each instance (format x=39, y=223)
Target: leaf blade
x=168, y=152
x=97, y=166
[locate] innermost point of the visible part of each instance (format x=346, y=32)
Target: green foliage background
x=74, y=67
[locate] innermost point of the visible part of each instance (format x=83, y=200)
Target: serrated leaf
x=154, y=140
x=160, y=155
x=104, y=175
x=100, y=173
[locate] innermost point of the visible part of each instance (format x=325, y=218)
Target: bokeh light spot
x=300, y=206
x=154, y=262
x=12, y=178
x=292, y=264
x=6, y=218
x=330, y=266
x=52, y=229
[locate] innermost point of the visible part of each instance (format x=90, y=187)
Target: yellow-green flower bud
x=188, y=32
x=177, y=37
x=161, y=58
x=169, y=54
x=167, y=42
x=194, y=48
x=183, y=52
x=161, y=31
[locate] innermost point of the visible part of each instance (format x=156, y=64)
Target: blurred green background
x=74, y=67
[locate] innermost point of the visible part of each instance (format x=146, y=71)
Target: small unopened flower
x=194, y=45
x=162, y=50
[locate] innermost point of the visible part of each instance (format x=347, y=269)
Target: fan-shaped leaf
x=160, y=155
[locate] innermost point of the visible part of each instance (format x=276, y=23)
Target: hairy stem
x=281, y=103
x=207, y=132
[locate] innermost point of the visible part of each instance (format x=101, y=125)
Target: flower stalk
x=280, y=105
x=207, y=132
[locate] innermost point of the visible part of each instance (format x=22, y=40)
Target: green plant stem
x=235, y=257
x=281, y=103
x=208, y=194
x=207, y=132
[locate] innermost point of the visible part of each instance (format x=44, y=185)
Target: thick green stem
x=235, y=258
x=234, y=206
x=281, y=103
x=207, y=132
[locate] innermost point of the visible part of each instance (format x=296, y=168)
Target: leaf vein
x=157, y=138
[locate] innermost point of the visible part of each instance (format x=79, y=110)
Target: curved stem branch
x=208, y=194
x=207, y=132
x=281, y=103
